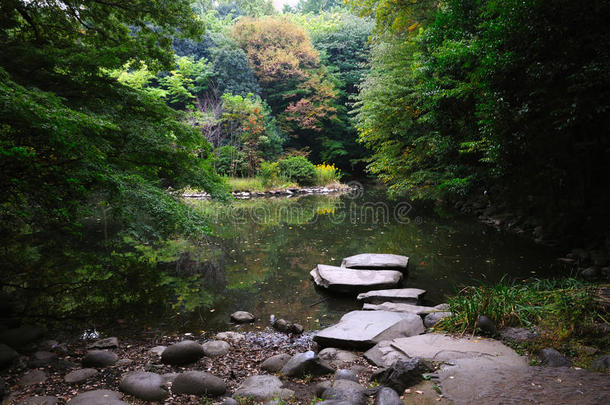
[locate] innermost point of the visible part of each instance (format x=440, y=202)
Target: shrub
x=299, y=169
x=230, y=161
x=268, y=172
x=326, y=174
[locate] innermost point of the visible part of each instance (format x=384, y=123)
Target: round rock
x=78, y=376
x=158, y=350
x=275, y=363
x=144, y=385
x=41, y=359
x=215, y=348
x=486, y=325
x=346, y=390
x=184, y=352
x=108, y=343
x=302, y=364
x=230, y=401
x=387, y=396
x=242, y=317
x=199, y=383
x=99, y=358
x=552, y=358
x=262, y=388
x=344, y=374
x=98, y=397
x=43, y=400
x=434, y=317
x=232, y=337
x=33, y=377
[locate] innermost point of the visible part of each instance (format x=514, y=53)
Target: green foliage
x=299, y=169
x=232, y=72
x=229, y=161
x=268, y=172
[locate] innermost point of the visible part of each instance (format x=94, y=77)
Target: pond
x=263, y=249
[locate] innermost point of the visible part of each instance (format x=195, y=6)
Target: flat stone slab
x=364, y=329
x=399, y=307
x=453, y=350
x=382, y=261
x=397, y=295
x=262, y=388
x=344, y=280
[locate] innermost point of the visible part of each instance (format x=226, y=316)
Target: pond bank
x=276, y=192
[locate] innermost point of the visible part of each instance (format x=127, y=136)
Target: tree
x=291, y=77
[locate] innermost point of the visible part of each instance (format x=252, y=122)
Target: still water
x=262, y=251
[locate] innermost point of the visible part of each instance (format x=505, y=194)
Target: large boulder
x=380, y=261
x=262, y=388
x=275, y=363
x=98, y=397
x=199, y=383
x=307, y=363
x=398, y=295
x=215, y=348
x=364, y=329
x=99, y=358
x=344, y=280
x=144, y=385
x=181, y=353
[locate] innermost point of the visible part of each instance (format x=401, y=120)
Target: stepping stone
x=262, y=388
x=398, y=295
x=99, y=358
x=184, y=352
x=98, y=397
x=198, y=383
x=108, y=343
x=344, y=280
x=215, y=348
x=275, y=363
x=242, y=317
x=78, y=376
x=379, y=261
x=302, y=364
x=364, y=329
x=438, y=347
x=144, y=385
x=399, y=307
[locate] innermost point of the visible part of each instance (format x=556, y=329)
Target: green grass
x=565, y=311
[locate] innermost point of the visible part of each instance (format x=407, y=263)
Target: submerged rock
x=376, y=261
x=397, y=295
x=242, y=317
x=344, y=280
x=364, y=329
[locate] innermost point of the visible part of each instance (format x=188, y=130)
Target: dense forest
x=108, y=108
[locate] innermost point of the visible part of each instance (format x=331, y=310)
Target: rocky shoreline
x=286, y=192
